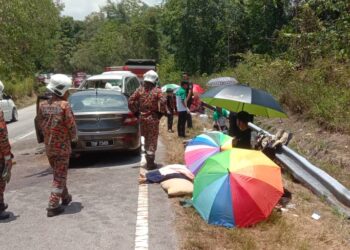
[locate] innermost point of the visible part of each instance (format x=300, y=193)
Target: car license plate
x=99, y=143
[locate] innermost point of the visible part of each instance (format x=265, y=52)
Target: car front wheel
x=14, y=115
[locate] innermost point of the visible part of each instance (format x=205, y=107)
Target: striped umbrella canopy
x=244, y=98
x=222, y=81
x=237, y=188
x=203, y=146
x=172, y=86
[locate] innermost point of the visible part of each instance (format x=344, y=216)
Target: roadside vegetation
x=297, y=50
x=291, y=229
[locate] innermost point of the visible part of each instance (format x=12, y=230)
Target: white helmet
x=150, y=76
x=1, y=86
x=59, y=84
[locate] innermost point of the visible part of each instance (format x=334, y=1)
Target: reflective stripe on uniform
x=57, y=190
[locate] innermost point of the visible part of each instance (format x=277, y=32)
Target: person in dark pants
x=171, y=108
x=182, y=108
x=5, y=165
x=189, y=98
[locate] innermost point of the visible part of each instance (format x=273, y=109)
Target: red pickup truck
x=136, y=66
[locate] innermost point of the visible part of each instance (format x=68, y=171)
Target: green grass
x=19, y=88
x=320, y=92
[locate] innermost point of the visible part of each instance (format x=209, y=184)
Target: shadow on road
x=73, y=208
x=43, y=173
x=104, y=159
x=12, y=218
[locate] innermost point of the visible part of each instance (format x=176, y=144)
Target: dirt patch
x=25, y=101
x=291, y=229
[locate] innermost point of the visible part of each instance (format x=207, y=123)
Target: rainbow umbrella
x=203, y=146
x=237, y=188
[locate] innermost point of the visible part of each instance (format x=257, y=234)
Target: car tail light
x=130, y=119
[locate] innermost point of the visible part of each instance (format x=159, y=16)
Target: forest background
x=298, y=50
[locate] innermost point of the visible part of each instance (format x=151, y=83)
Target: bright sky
x=81, y=8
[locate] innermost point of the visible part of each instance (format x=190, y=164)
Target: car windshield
x=98, y=103
x=115, y=83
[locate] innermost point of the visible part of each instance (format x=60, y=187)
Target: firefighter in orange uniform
x=57, y=122
x=148, y=101
x=5, y=165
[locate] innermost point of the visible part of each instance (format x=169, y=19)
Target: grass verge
x=293, y=229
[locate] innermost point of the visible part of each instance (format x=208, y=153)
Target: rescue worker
x=149, y=103
x=56, y=119
x=5, y=165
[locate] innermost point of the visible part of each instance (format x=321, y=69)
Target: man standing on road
x=5, y=164
x=148, y=101
x=182, y=109
x=57, y=122
x=189, y=98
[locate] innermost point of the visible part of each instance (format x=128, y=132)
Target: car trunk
x=99, y=122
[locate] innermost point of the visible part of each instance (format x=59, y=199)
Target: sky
x=78, y=9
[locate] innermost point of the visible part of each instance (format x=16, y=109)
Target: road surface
x=109, y=209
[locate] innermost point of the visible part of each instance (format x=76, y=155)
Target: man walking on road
x=148, y=101
x=57, y=122
x=5, y=164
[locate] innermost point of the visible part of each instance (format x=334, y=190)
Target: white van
x=124, y=81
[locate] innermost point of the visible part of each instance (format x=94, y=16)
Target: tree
x=27, y=35
x=196, y=37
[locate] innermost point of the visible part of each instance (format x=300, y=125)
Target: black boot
x=150, y=162
x=4, y=216
x=67, y=200
x=3, y=207
x=54, y=211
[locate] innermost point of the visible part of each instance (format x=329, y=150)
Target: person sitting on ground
x=242, y=136
x=219, y=117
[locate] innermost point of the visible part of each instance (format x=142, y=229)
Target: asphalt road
x=104, y=210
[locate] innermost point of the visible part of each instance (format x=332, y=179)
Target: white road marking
x=141, y=234
x=18, y=138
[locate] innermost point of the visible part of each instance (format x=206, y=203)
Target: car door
x=135, y=85
x=5, y=106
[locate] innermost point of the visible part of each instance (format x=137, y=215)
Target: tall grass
x=19, y=88
x=320, y=92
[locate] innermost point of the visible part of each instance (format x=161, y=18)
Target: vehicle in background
x=137, y=66
x=78, y=78
x=43, y=78
x=123, y=81
x=7, y=105
x=104, y=122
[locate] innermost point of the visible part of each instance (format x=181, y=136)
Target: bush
x=320, y=92
x=19, y=88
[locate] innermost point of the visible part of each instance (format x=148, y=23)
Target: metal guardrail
x=317, y=180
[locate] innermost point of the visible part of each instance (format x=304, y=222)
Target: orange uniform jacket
x=57, y=122
x=5, y=148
